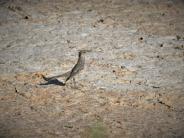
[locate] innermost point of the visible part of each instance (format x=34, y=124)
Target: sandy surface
x=132, y=84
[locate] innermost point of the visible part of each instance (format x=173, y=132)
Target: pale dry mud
x=133, y=82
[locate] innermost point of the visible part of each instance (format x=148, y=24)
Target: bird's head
x=84, y=51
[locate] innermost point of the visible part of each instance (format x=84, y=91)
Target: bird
x=78, y=67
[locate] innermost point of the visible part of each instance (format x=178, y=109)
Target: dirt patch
x=132, y=83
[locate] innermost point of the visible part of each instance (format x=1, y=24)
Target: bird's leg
x=74, y=82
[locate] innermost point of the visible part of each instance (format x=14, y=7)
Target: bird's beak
x=88, y=50
x=85, y=51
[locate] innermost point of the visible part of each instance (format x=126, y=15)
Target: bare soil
x=132, y=84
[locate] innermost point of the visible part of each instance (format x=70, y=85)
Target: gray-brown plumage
x=79, y=66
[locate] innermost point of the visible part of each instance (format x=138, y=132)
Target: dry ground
x=132, y=84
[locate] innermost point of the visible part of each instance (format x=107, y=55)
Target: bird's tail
x=57, y=76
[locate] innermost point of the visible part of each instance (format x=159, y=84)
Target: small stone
x=123, y=67
x=163, y=14
x=26, y=17
x=101, y=20
x=141, y=38
x=89, y=10
x=68, y=41
x=178, y=37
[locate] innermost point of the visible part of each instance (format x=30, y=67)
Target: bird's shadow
x=52, y=81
